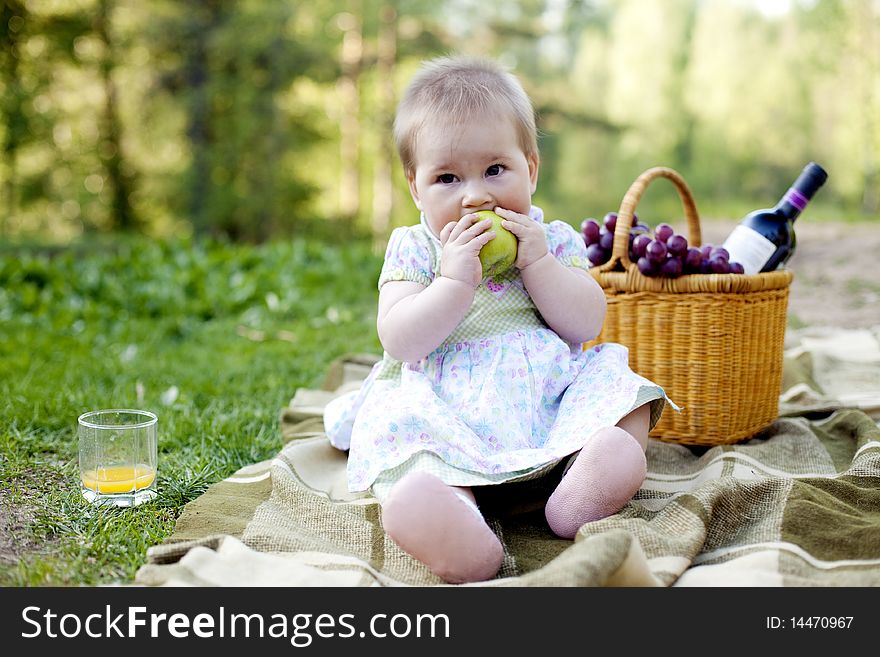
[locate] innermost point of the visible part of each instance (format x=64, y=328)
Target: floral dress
x=504, y=398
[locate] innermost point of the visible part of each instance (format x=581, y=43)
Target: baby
x=484, y=380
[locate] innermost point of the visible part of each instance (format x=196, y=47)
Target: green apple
x=498, y=254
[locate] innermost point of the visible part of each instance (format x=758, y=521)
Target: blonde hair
x=456, y=89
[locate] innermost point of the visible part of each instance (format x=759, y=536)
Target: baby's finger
x=479, y=227
x=510, y=215
x=480, y=240
x=517, y=229
x=523, y=229
x=446, y=231
x=453, y=230
x=461, y=225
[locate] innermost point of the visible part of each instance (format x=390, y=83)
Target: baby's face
x=464, y=168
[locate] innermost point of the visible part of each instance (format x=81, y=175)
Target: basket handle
x=620, y=249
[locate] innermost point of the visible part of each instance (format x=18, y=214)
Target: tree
x=13, y=17
x=383, y=183
x=111, y=147
x=348, y=86
x=233, y=66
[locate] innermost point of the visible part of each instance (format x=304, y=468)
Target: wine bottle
x=764, y=240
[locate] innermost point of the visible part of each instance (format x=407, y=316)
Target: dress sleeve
x=566, y=245
x=407, y=258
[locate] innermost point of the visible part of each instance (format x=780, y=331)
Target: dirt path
x=836, y=272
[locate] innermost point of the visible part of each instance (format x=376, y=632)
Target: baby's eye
x=494, y=170
x=446, y=178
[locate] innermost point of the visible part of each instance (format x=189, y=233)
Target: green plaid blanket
x=797, y=505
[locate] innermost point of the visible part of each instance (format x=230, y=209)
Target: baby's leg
x=441, y=526
x=603, y=478
x=636, y=424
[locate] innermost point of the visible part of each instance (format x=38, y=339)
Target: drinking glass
x=118, y=456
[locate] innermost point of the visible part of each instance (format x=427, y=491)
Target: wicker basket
x=714, y=342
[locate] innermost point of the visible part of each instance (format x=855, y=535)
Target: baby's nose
x=476, y=194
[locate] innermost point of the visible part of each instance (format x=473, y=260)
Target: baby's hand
x=461, y=241
x=532, y=242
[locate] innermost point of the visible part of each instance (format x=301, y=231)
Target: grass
x=863, y=291
x=212, y=337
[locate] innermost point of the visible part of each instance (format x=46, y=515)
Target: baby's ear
x=413, y=191
x=534, y=164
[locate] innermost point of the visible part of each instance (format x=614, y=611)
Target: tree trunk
x=683, y=149
x=383, y=183
x=263, y=179
x=110, y=148
x=198, y=130
x=350, y=126
x=871, y=184
x=12, y=15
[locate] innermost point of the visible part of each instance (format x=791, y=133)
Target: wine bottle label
x=752, y=250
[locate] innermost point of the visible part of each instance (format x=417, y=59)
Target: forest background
x=260, y=120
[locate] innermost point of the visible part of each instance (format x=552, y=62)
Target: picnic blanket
x=796, y=505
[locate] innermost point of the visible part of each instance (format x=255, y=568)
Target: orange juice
x=119, y=478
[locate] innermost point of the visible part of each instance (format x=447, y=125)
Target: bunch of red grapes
x=665, y=253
